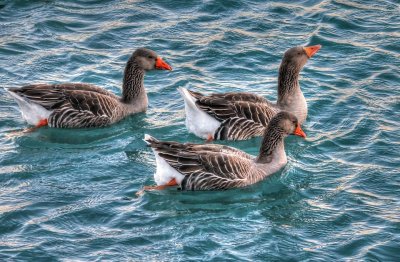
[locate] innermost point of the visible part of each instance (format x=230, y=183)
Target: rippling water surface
x=70, y=194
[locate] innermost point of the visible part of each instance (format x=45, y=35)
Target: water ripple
x=70, y=194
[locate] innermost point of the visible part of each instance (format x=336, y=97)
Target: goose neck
x=288, y=82
x=272, y=145
x=133, y=83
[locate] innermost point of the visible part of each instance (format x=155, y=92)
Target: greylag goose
x=239, y=116
x=218, y=167
x=76, y=105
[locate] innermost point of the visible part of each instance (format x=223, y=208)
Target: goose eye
x=299, y=53
x=150, y=57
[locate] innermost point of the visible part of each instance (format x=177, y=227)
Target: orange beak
x=160, y=64
x=299, y=132
x=311, y=50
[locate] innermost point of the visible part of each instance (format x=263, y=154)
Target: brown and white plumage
x=242, y=115
x=75, y=105
x=218, y=167
x=238, y=116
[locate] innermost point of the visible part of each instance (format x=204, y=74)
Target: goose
x=220, y=167
x=239, y=116
x=78, y=105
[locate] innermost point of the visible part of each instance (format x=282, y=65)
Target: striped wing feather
x=52, y=96
x=237, y=128
x=206, y=167
x=73, y=105
x=233, y=96
x=242, y=115
x=84, y=109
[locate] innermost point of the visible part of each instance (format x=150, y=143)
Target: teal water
x=70, y=194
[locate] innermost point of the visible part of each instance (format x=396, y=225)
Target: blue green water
x=70, y=194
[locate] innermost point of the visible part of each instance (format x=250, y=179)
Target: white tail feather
x=164, y=172
x=189, y=99
x=148, y=138
x=197, y=121
x=30, y=111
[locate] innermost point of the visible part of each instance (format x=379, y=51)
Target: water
x=70, y=194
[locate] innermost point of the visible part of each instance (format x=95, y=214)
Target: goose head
x=148, y=60
x=288, y=124
x=297, y=57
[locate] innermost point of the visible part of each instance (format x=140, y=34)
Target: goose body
x=229, y=116
x=78, y=105
x=218, y=167
x=239, y=116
